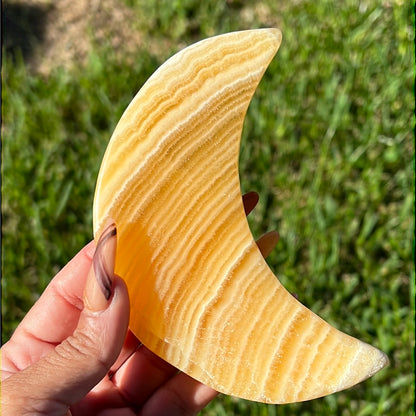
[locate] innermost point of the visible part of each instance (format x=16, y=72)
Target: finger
x=152, y=370
x=130, y=346
x=250, y=200
x=53, y=317
x=76, y=365
x=181, y=396
x=67, y=374
x=267, y=242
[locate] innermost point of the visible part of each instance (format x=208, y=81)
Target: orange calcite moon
x=202, y=296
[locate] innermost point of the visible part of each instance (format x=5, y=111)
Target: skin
x=68, y=358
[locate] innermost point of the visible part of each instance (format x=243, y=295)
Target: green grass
x=328, y=144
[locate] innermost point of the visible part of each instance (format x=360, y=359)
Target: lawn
x=328, y=143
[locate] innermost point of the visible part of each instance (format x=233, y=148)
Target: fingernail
x=267, y=242
x=98, y=289
x=250, y=200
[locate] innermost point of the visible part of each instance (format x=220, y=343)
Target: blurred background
x=328, y=143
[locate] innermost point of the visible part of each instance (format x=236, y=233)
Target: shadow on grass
x=24, y=27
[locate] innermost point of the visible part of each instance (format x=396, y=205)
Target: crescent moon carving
x=202, y=296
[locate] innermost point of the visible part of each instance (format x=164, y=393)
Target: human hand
x=72, y=353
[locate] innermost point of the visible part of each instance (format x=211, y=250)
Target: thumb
x=75, y=366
